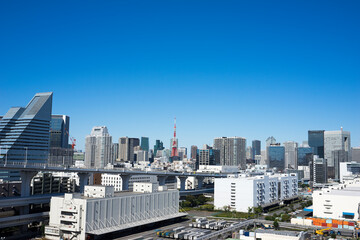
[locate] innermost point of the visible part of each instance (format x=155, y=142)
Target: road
x=151, y=232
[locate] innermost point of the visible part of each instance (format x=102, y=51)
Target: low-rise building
x=240, y=193
x=75, y=217
x=115, y=180
x=340, y=201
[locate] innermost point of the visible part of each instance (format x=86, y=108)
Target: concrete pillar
x=200, y=182
x=161, y=180
x=26, y=181
x=125, y=181
x=182, y=182
x=83, y=180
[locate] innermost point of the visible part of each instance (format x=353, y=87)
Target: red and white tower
x=174, y=145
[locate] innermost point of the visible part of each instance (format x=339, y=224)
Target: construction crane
x=73, y=140
x=324, y=232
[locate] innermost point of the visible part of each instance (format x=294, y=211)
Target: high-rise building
x=126, y=148
x=290, y=154
x=256, y=148
x=355, y=154
x=338, y=156
x=304, y=155
x=24, y=133
x=60, y=150
x=249, y=152
x=276, y=157
x=316, y=141
x=141, y=156
x=158, y=146
x=193, y=151
x=144, y=143
x=59, y=132
x=98, y=148
x=336, y=140
x=318, y=170
x=232, y=151
x=207, y=157
x=270, y=141
x=182, y=152
x=114, y=152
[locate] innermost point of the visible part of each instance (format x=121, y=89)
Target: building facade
x=75, y=217
x=193, y=151
x=316, y=141
x=126, y=148
x=115, y=180
x=240, y=193
x=98, y=148
x=355, y=154
x=256, y=148
x=207, y=157
x=336, y=140
x=276, y=157
x=337, y=202
x=24, y=133
x=232, y=151
x=290, y=154
x=144, y=143
x=304, y=155
x=318, y=170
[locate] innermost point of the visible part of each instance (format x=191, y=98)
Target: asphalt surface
x=151, y=233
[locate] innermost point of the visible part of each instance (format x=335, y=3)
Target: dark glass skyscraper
x=59, y=132
x=24, y=133
x=316, y=141
x=276, y=157
x=304, y=155
x=256, y=148
x=144, y=143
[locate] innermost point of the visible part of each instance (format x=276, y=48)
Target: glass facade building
x=316, y=141
x=304, y=155
x=144, y=143
x=276, y=157
x=256, y=148
x=59, y=132
x=24, y=133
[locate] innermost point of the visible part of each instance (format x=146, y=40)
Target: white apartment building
x=288, y=185
x=115, y=180
x=73, y=216
x=338, y=202
x=243, y=192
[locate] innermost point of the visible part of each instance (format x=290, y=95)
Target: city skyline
x=222, y=69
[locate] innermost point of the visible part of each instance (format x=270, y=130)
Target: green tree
x=276, y=225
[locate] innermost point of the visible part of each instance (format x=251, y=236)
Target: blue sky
x=223, y=68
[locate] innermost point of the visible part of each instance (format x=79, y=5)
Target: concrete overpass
x=29, y=170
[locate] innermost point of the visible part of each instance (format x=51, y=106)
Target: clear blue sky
x=223, y=68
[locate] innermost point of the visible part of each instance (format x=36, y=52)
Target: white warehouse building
x=243, y=192
x=115, y=180
x=73, y=216
x=338, y=202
